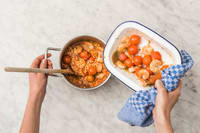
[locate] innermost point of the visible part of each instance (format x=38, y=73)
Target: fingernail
x=158, y=83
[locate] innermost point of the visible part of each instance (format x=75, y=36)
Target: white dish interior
x=170, y=54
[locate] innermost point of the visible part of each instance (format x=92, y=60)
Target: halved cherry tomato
x=67, y=59
x=85, y=55
x=133, y=49
x=147, y=60
x=92, y=70
x=135, y=39
x=164, y=67
x=128, y=62
x=92, y=59
x=122, y=57
x=137, y=60
x=156, y=55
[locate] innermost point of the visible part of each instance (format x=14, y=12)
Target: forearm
x=31, y=118
x=163, y=124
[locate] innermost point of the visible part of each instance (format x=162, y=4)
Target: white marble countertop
x=27, y=28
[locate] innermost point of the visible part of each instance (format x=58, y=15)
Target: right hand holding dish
x=165, y=101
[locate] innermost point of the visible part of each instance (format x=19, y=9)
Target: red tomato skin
x=128, y=63
x=156, y=55
x=137, y=60
x=84, y=55
x=147, y=60
x=135, y=39
x=132, y=50
x=122, y=57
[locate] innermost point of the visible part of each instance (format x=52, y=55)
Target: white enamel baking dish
x=170, y=54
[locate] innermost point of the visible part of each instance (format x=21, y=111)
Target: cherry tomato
x=164, y=67
x=92, y=70
x=128, y=62
x=90, y=78
x=133, y=49
x=137, y=60
x=156, y=55
x=92, y=59
x=84, y=55
x=147, y=60
x=135, y=39
x=67, y=59
x=122, y=57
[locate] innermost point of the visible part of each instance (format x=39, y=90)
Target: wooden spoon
x=39, y=70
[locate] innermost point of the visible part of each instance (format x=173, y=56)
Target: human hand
x=38, y=81
x=165, y=101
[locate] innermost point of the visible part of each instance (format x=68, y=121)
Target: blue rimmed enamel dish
x=170, y=54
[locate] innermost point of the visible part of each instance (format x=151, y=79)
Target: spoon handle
x=37, y=70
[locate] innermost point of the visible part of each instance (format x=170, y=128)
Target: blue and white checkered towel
x=138, y=109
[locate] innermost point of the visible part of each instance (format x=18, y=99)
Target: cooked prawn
x=87, y=46
x=120, y=64
x=147, y=50
x=100, y=75
x=99, y=58
x=99, y=67
x=125, y=39
x=78, y=50
x=153, y=78
x=144, y=83
x=124, y=43
x=155, y=66
x=127, y=54
x=144, y=74
x=133, y=69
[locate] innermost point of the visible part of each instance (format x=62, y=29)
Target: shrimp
x=124, y=43
x=99, y=67
x=99, y=58
x=147, y=50
x=144, y=83
x=121, y=48
x=125, y=39
x=78, y=50
x=155, y=65
x=127, y=54
x=133, y=69
x=143, y=74
x=120, y=64
x=153, y=78
x=94, y=53
x=87, y=46
x=100, y=75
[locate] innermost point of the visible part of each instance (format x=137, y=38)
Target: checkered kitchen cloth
x=138, y=109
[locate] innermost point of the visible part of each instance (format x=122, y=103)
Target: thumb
x=160, y=87
x=43, y=64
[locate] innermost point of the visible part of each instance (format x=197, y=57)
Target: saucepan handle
x=46, y=56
